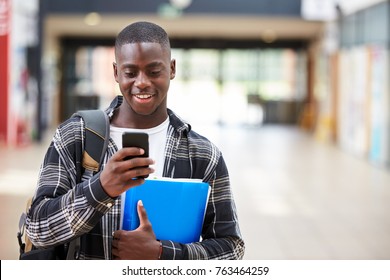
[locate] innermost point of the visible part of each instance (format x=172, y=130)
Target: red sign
x=4, y=61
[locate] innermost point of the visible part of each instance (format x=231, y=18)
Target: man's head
x=143, y=32
x=143, y=70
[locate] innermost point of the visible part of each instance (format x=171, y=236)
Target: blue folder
x=175, y=208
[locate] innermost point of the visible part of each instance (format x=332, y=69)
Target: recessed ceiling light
x=92, y=19
x=269, y=36
x=181, y=4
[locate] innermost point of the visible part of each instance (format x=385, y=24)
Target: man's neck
x=126, y=118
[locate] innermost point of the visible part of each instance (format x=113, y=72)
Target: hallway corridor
x=296, y=198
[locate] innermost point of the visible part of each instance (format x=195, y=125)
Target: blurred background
x=294, y=92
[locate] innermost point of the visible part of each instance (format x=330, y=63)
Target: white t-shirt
x=157, y=140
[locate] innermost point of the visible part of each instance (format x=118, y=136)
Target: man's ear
x=173, y=69
x=115, y=68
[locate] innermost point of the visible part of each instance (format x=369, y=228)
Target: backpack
x=97, y=130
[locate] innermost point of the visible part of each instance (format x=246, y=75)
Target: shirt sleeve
x=62, y=207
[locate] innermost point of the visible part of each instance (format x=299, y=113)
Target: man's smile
x=143, y=96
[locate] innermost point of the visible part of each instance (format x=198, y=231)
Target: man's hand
x=139, y=244
x=119, y=175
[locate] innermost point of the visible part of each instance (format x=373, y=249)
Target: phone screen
x=136, y=139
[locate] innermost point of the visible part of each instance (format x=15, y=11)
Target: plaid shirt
x=63, y=208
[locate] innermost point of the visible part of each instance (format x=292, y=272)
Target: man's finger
x=143, y=216
x=116, y=234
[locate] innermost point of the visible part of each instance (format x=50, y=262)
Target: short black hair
x=142, y=32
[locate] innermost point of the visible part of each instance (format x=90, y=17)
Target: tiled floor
x=297, y=198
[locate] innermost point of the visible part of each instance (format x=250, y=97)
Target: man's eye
x=130, y=74
x=155, y=72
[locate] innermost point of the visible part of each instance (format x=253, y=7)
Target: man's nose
x=142, y=80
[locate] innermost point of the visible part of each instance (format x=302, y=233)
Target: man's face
x=143, y=72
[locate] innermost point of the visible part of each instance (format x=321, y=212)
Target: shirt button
x=109, y=205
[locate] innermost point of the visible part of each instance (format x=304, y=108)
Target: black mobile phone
x=136, y=139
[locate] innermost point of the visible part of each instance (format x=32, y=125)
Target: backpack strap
x=97, y=130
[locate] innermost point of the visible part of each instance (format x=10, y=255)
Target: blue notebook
x=175, y=207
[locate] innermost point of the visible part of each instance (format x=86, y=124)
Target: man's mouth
x=143, y=96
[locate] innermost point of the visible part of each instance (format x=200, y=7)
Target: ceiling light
x=92, y=19
x=180, y=4
x=269, y=36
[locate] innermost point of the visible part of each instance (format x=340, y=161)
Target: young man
x=64, y=209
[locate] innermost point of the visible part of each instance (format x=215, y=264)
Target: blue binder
x=175, y=207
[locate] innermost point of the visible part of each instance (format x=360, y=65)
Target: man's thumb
x=143, y=216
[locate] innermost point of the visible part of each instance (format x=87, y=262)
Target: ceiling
x=226, y=27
